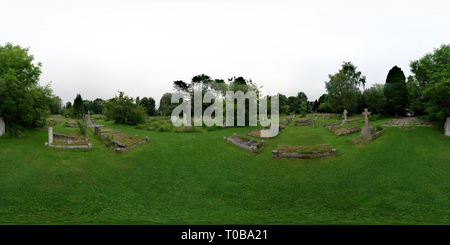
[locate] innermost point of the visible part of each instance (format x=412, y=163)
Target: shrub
x=378, y=128
x=82, y=127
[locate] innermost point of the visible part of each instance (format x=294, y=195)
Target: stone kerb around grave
x=251, y=145
x=276, y=153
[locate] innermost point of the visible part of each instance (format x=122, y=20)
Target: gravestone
x=367, y=131
x=50, y=135
x=96, y=130
x=345, y=121
x=447, y=127
x=2, y=126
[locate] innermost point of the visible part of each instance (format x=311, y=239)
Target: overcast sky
x=96, y=48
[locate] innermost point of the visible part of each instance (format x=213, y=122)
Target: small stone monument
x=50, y=135
x=314, y=123
x=367, y=131
x=446, y=127
x=2, y=126
x=345, y=121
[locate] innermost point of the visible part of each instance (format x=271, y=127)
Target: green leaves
x=431, y=82
x=23, y=102
x=343, y=88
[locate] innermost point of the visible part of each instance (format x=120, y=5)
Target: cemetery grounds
x=401, y=177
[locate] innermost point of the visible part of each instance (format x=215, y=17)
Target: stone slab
x=2, y=126
x=447, y=127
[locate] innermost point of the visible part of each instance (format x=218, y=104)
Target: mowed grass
x=197, y=178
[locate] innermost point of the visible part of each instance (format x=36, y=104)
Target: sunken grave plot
x=343, y=129
x=302, y=122
x=303, y=152
x=245, y=142
x=116, y=140
x=68, y=141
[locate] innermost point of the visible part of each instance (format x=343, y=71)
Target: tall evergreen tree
x=396, y=91
x=78, y=107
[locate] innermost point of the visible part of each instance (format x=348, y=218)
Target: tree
x=323, y=98
x=78, y=107
x=56, y=107
x=98, y=105
x=432, y=76
x=376, y=100
x=149, y=105
x=165, y=104
x=416, y=99
x=343, y=88
x=122, y=109
x=396, y=91
x=23, y=103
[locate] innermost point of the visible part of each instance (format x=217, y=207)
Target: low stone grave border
x=252, y=147
x=276, y=154
x=118, y=149
x=347, y=133
x=88, y=146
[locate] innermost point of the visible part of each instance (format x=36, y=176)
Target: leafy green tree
x=396, y=91
x=98, y=105
x=432, y=76
x=343, y=88
x=149, y=105
x=376, y=100
x=323, y=98
x=303, y=108
x=23, y=103
x=416, y=99
x=122, y=109
x=56, y=107
x=324, y=107
x=78, y=107
x=165, y=104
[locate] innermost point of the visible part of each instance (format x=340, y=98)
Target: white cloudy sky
x=96, y=48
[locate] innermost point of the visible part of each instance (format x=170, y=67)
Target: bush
x=378, y=128
x=82, y=127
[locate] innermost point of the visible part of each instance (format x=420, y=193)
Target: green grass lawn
x=403, y=176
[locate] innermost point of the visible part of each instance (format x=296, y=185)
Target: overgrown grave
x=116, y=140
x=246, y=142
x=75, y=140
x=303, y=152
x=303, y=122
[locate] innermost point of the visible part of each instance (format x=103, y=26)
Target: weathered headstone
x=96, y=130
x=447, y=127
x=367, y=131
x=345, y=121
x=188, y=127
x=2, y=126
x=50, y=135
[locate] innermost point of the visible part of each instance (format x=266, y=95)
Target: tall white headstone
x=2, y=126
x=50, y=135
x=447, y=127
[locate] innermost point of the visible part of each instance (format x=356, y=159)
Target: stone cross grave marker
x=2, y=126
x=345, y=121
x=366, y=113
x=367, y=131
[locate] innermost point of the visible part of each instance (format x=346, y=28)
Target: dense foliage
x=122, y=109
x=343, y=88
x=24, y=103
x=430, y=85
x=396, y=91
